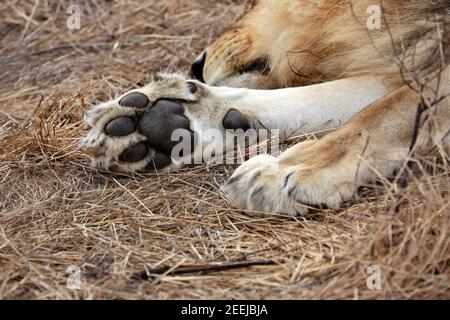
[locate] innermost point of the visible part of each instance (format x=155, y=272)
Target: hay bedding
x=56, y=211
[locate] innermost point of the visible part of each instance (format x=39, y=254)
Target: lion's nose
x=197, y=67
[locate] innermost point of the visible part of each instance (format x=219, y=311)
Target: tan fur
x=314, y=41
x=329, y=171
x=308, y=42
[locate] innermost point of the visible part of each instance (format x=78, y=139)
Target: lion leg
x=172, y=121
x=327, y=172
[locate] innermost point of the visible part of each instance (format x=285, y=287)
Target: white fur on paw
x=260, y=185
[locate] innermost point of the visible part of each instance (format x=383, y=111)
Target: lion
x=300, y=67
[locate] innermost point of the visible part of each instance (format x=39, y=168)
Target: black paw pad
x=159, y=123
x=235, y=120
x=135, y=153
x=120, y=127
x=168, y=106
x=134, y=100
x=159, y=161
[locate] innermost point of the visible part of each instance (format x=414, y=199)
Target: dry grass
x=55, y=211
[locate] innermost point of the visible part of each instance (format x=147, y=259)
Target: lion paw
x=135, y=132
x=289, y=186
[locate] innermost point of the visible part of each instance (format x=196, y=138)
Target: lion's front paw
x=156, y=127
x=133, y=132
x=262, y=185
x=292, y=183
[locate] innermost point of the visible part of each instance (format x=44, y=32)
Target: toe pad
x=135, y=153
x=134, y=100
x=120, y=127
x=235, y=120
x=159, y=161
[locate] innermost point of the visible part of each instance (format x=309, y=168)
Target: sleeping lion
x=357, y=71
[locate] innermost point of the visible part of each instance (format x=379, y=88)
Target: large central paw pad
x=134, y=133
x=159, y=123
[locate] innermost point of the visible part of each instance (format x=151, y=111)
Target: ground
x=57, y=213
